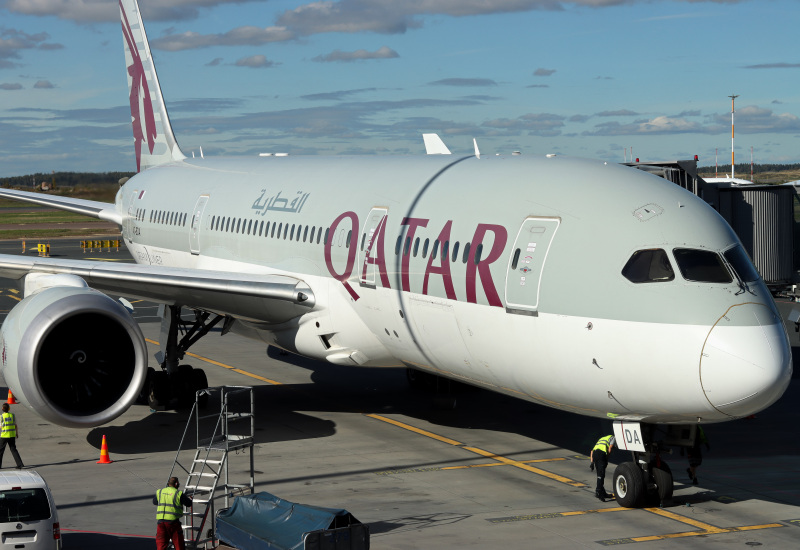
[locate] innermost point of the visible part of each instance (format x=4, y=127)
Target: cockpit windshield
x=741, y=263
x=648, y=266
x=701, y=266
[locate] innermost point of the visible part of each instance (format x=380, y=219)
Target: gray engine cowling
x=73, y=355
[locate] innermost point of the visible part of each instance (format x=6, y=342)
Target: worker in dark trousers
x=695, y=454
x=170, y=501
x=599, y=459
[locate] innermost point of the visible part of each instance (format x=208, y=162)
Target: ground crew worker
x=8, y=436
x=170, y=502
x=599, y=459
x=695, y=454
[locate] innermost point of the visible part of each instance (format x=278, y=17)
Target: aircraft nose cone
x=746, y=362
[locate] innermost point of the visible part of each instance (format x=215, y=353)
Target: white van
x=28, y=515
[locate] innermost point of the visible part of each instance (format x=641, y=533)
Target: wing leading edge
x=261, y=298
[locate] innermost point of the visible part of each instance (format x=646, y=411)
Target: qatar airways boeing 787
x=581, y=285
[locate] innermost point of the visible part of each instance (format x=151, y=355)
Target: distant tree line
x=68, y=179
x=742, y=168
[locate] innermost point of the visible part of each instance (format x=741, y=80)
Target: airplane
x=581, y=285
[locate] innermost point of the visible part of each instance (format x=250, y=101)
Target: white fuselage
x=557, y=323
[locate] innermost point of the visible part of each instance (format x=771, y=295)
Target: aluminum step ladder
x=232, y=428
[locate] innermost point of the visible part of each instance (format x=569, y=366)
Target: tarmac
x=494, y=472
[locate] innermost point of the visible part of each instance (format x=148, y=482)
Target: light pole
x=733, y=98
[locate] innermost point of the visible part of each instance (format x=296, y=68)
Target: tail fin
x=152, y=133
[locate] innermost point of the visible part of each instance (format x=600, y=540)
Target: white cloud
x=255, y=62
x=240, y=36
x=337, y=55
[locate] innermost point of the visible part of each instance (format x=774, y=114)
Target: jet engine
x=73, y=355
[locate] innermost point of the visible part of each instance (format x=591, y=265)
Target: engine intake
x=73, y=355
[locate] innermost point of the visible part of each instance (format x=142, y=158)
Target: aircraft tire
x=183, y=386
x=629, y=485
x=158, y=390
x=662, y=476
x=144, y=394
x=200, y=382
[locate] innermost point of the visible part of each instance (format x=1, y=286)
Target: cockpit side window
x=648, y=266
x=701, y=266
x=740, y=262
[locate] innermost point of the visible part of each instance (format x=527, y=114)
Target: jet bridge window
x=701, y=266
x=648, y=266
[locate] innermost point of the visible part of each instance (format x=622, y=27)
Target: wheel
x=144, y=393
x=662, y=477
x=183, y=385
x=200, y=382
x=158, y=390
x=629, y=485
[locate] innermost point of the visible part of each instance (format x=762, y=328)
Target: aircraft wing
x=95, y=209
x=256, y=297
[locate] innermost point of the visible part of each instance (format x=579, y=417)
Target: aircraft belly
x=614, y=367
x=439, y=338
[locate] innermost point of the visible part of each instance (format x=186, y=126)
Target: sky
x=605, y=79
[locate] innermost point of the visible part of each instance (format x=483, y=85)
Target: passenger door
x=197, y=216
x=527, y=263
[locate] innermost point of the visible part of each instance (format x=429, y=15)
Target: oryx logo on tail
x=140, y=100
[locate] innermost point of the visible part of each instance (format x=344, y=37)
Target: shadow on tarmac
x=101, y=541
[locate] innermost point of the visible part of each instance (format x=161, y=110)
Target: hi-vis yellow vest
x=603, y=444
x=9, y=426
x=169, y=504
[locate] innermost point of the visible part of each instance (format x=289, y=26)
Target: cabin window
x=238, y=224
x=349, y=234
x=327, y=232
x=313, y=228
x=407, y=247
x=249, y=227
x=416, y=246
x=465, y=255
x=455, y=251
x=435, y=249
x=305, y=234
x=227, y=225
x=648, y=266
x=261, y=228
x=741, y=264
x=702, y=266
x=291, y=234
x=478, y=252
x=363, y=239
x=286, y=230
x=425, y=248
x=397, y=246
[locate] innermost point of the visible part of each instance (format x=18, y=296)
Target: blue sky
x=587, y=78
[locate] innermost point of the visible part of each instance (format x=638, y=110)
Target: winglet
x=434, y=145
x=153, y=139
x=477, y=152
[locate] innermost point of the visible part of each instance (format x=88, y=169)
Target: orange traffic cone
x=104, y=458
x=11, y=400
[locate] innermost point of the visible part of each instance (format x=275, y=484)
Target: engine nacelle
x=73, y=355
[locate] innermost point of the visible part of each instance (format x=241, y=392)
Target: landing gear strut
x=175, y=385
x=647, y=479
